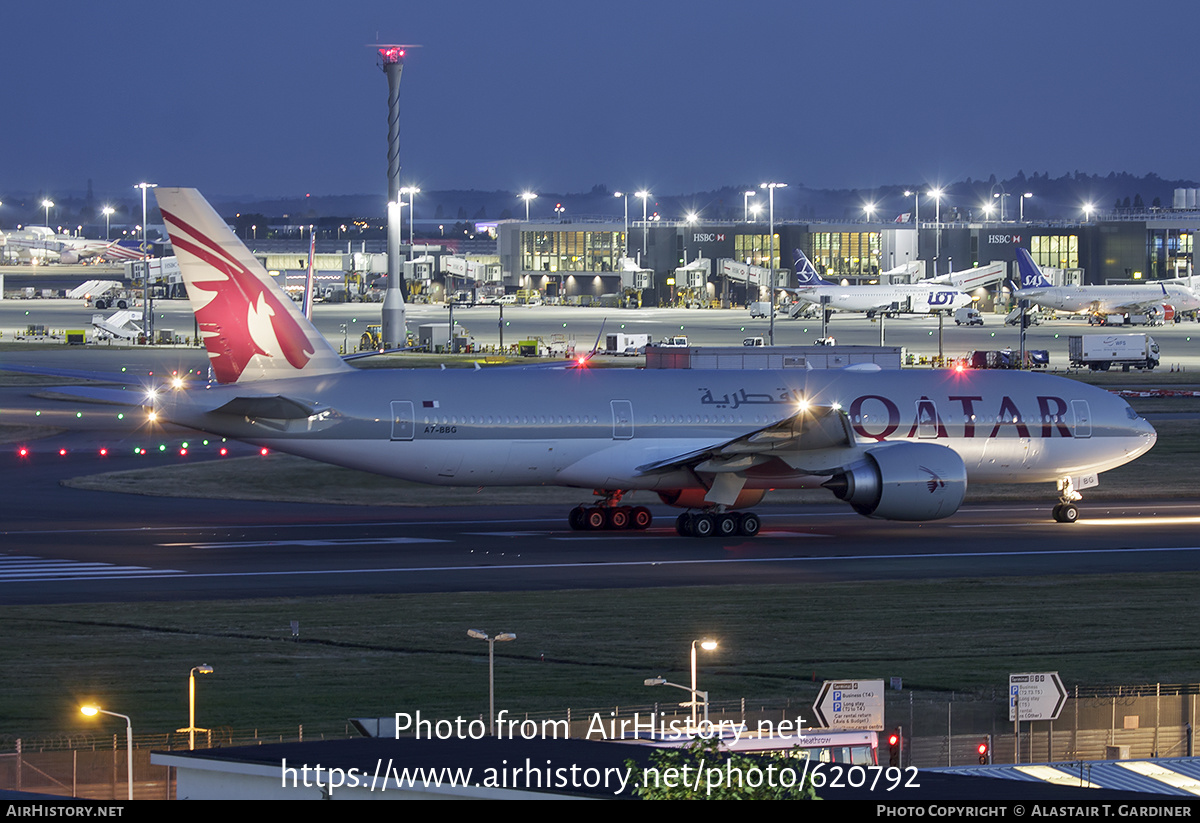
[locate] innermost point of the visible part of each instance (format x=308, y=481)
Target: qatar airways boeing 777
x=901, y=445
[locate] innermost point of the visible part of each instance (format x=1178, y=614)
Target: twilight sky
x=274, y=98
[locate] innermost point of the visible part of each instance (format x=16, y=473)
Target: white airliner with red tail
x=900, y=445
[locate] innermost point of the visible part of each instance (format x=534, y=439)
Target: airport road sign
x=1039, y=696
x=850, y=704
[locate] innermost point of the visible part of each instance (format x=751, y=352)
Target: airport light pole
x=916, y=196
x=92, y=711
x=1088, y=208
x=1024, y=197
x=527, y=196
x=770, y=187
x=147, y=314
x=191, y=729
x=412, y=192
x=746, y=205
x=491, y=641
x=936, y=194
x=47, y=205
x=644, y=195
x=625, y=244
x=108, y=213
x=869, y=209
x=1000, y=195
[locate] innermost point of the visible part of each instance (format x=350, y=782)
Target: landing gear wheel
x=727, y=524
x=618, y=518
x=683, y=525
x=640, y=518
x=749, y=524
x=703, y=525
x=575, y=519
x=594, y=519
x=1066, y=512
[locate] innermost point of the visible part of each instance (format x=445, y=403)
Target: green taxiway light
x=162, y=447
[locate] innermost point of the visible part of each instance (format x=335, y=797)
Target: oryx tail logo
x=237, y=315
x=934, y=482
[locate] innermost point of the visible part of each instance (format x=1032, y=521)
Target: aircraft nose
x=1147, y=437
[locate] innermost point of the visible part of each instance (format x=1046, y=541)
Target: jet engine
x=694, y=498
x=903, y=481
x=68, y=257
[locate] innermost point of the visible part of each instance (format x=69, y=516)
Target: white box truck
x=1100, y=352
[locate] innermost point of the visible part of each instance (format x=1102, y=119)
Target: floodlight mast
x=391, y=59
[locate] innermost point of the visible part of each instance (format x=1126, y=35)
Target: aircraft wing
x=817, y=439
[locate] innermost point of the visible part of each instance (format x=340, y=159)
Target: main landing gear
x=717, y=524
x=609, y=516
x=1066, y=511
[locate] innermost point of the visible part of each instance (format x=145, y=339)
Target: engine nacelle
x=904, y=481
x=68, y=257
x=1168, y=313
x=694, y=498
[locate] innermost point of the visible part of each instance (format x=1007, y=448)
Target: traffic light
x=985, y=751
x=895, y=747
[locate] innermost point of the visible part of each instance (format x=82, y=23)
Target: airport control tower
x=392, y=62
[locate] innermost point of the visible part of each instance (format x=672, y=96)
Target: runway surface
x=66, y=545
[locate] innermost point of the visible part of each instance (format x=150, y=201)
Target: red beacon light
x=23, y=451
x=263, y=451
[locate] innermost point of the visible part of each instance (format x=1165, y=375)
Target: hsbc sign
x=1003, y=239
x=708, y=237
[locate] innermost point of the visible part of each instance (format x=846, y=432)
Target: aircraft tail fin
x=1031, y=275
x=252, y=330
x=806, y=275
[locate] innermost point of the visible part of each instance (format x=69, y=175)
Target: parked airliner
x=901, y=298
x=900, y=445
x=1100, y=301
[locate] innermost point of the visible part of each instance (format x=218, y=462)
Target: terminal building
x=589, y=262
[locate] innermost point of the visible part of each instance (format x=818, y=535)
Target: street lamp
x=559, y=208
x=770, y=187
x=660, y=681
x=708, y=646
x=644, y=195
x=108, y=213
x=988, y=208
x=92, y=711
x=491, y=641
x=527, y=196
x=47, y=205
x=191, y=729
x=1088, y=208
x=870, y=211
x=745, y=205
x=1022, y=201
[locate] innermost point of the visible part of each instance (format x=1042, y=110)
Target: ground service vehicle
x=968, y=317
x=1100, y=352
